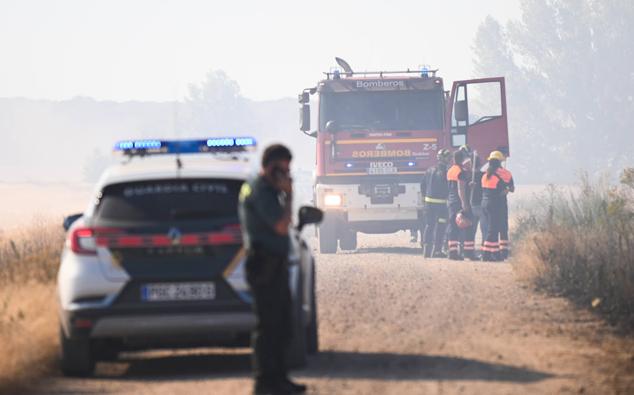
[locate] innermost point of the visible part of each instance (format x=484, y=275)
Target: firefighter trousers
x=494, y=212
x=435, y=225
x=455, y=235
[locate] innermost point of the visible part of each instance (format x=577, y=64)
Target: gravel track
x=393, y=323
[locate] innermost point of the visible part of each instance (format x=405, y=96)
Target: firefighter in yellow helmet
x=496, y=183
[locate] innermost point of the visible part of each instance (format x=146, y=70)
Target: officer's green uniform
x=261, y=207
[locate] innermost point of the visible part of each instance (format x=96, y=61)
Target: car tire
x=76, y=357
x=297, y=351
x=328, y=237
x=312, y=331
x=348, y=241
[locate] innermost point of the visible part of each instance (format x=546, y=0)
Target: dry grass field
x=28, y=263
x=580, y=244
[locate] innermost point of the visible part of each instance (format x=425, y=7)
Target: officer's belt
x=433, y=200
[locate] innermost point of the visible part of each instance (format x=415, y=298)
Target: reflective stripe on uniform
x=433, y=200
x=442, y=220
x=490, y=246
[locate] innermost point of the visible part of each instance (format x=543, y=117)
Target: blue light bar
x=210, y=145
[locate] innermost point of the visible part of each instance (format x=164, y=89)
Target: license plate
x=382, y=170
x=161, y=292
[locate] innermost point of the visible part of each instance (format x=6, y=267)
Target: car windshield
x=169, y=200
x=385, y=110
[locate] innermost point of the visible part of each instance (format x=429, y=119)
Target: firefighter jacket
x=454, y=175
x=436, y=189
x=494, y=187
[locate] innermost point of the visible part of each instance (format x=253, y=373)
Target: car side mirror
x=460, y=110
x=309, y=215
x=68, y=221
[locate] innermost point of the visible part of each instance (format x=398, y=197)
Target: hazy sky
x=152, y=49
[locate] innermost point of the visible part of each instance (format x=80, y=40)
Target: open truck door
x=477, y=115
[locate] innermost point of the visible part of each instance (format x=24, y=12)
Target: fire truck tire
x=328, y=237
x=348, y=241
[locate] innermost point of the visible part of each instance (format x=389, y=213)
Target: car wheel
x=312, y=331
x=76, y=356
x=328, y=237
x=348, y=240
x=296, y=357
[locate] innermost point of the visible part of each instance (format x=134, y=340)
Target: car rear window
x=169, y=200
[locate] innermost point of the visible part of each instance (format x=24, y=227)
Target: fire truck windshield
x=382, y=110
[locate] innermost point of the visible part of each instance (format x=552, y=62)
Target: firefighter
x=505, y=245
x=265, y=216
x=457, y=201
x=475, y=200
x=435, y=217
x=494, y=190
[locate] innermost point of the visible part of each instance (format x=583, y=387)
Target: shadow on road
x=390, y=250
x=331, y=364
x=391, y=366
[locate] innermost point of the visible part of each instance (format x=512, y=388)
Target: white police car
x=156, y=259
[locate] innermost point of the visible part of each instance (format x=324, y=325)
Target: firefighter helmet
x=463, y=221
x=443, y=155
x=496, y=155
x=466, y=149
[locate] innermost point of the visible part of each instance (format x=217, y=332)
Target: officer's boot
x=427, y=250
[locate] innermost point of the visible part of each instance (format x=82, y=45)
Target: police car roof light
x=209, y=145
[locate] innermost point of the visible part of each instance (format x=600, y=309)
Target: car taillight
x=84, y=240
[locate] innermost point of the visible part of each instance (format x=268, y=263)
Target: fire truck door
x=478, y=115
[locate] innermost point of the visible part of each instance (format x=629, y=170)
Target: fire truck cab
x=376, y=135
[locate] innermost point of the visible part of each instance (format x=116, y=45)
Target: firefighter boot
x=486, y=256
x=504, y=254
x=455, y=256
x=427, y=250
x=470, y=255
x=437, y=252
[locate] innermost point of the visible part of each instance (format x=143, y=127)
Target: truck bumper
x=364, y=210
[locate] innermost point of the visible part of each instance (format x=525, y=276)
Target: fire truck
x=377, y=133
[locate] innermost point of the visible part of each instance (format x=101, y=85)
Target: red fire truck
x=376, y=135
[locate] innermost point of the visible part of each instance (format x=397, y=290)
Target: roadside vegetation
x=579, y=243
x=28, y=333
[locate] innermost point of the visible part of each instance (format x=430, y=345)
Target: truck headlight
x=332, y=200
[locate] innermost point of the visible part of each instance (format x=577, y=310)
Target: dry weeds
x=28, y=326
x=582, y=246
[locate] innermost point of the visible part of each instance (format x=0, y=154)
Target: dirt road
x=393, y=323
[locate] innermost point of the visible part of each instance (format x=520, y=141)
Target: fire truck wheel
x=327, y=237
x=348, y=241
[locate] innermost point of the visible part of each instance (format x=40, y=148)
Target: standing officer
x=436, y=206
x=265, y=216
x=457, y=201
x=494, y=190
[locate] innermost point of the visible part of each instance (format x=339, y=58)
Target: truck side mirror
x=460, y=111
x=304, y=97
x=304, y=118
